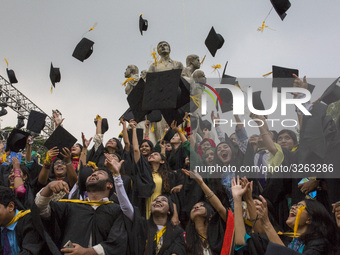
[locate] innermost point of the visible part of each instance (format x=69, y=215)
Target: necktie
x=7, y=246
x=261, y=176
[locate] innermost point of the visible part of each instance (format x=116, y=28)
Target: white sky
x=37, y=32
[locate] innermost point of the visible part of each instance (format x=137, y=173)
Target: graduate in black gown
x=18, y=234
x=95, y=226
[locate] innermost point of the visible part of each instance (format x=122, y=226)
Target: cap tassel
x=6, y=61
x=95, y=24
x=203, y=59
x=297, y=220
x=196, y=100
x=152, y=128
x=98, y=117
x=51, y=89
x=237, y=85
x=154, y=56
x=215, y=67
x=262, y=27
x=127, y=80
x=265, y=75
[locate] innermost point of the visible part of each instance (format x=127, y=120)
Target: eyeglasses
x=298, y=205
x=59, y=163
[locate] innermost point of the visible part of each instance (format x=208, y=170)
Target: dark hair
x=152, y=230
x=149, y=143
x=163, y=171
x=217, y=161
x=110, y=179
x=290, y=133
x=119, y=148
x=275, y=134
x=6, y=196
x=193, y=240
x=52, y=174
x=322, y=226
x=80, y=146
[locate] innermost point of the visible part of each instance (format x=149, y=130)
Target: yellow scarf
x=17, y=217
x=97, y=203
x=160, y=234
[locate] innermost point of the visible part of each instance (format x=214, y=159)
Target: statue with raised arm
x=132, y=77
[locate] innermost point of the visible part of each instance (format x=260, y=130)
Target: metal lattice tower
x=19, y=103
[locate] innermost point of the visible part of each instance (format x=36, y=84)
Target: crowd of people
x=136, y=195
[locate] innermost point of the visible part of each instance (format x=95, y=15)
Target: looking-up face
x=59, y=168
x=176, y=139
x=304, y=218
x=209, y=157
x=155, y=157
x=224, y=153
x=75, y=150
x=205, y=145
x=160, y=205
x=163, y=49
x=285, y=141
x=198, y=210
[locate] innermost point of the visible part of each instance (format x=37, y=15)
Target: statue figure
x=193, y=63
x=131, y=72
x=165, y=63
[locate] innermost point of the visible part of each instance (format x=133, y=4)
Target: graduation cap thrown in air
x=128, y=115
x=143, y=24
x=226, y=98
x=54, y=75
x=165, y=90
x=16, y=141
x=205, y=124
x=227, y=79
x=283, y=77
x=257, y=101
x=36, y=121
x=332, y=93
x=60, y=138
x=83, y=49
x=140, y=133
x=281, y=6
x=169, y=135
x=214, y=41
x=135, y=100
x=105, y=124
x=11, y=76
x=154, y=116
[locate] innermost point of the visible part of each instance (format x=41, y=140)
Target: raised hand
x=57, y=119
x=86, y=142
x=66, y=154
x=237, y=188
x=193, y=174
x=174, y=126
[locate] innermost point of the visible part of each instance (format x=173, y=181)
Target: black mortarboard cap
x=311, y=88
x=135, y=100
x=54, y=75
x=332, y=93
x=60, y=138
x=227, y=79
x=281, y=6
x=162, y=89
x=11, y=76
x=183, y=96
x=283, y=77
x=16, y=141
x=143, y=24
x=105, y=125
x=226, y=98
x=154, y=116
x=168, y=135
x=128, y=115
x=277, y=249
x=140, y=134
x=205, y=124
x=257, y=101
x=36, y=121
x=177, y=114
x=214, y=41
x=83, y=49
x=193, y=122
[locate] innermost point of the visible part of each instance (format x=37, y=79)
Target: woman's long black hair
x=322, y=226
x=152, y=230
x=164, y=170
x=194, y=243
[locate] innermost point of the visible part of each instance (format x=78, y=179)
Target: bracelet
x=69, y=163
x=47, y=165
x=210, y=195
x=18, y=176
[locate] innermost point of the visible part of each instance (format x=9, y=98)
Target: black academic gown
x=28, y=239
x=77, y=222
